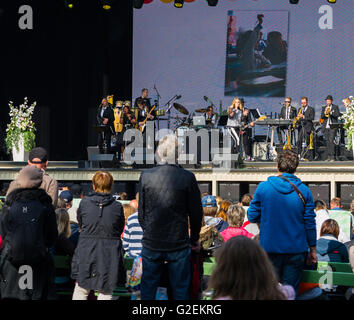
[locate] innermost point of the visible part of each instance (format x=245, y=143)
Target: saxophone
x=296, y=119
x=287, y=145
x=311, y=146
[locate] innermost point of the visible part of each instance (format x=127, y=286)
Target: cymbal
x=180, y=108
x=200, y=110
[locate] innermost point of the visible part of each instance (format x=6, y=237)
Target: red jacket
x=234, y=232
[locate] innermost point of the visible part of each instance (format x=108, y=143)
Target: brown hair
x=102, y=182
x=330, y=226
x=210, y=211
x=123, y=195
x=63, y=222
x=244, y=272
x=287, y=161
x=304, y=98
x=128, y=211
x=246, y=199
x=235, y=216
x=224, y=206
x=319, y=204
x=336, y=201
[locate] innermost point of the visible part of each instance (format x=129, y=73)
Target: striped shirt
x=132, y=236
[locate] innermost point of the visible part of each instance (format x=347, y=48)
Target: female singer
x=233, y=124
x=246, y=134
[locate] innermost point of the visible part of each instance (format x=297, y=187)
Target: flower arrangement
x=348, y=117
x=21, y=124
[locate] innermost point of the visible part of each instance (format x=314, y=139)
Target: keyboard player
x=288, y=112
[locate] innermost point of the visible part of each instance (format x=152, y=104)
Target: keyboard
x=274, y=122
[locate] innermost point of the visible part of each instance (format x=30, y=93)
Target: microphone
x=205, y=98
x=178, y=97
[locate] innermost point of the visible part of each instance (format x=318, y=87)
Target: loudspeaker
x=321, y=153
x=260, y=150
x=91, y=151
x=229, y=191
x=260, y=138
x=346, y=194
x=104, y=160
x=320, y=191
x=252, y=187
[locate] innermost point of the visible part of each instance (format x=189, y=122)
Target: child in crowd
x=244, y=272
x=223, y=207
x=235, y=217
x=63, y=245
x=210, y=209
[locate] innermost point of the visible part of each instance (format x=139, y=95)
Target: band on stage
x=295, y=129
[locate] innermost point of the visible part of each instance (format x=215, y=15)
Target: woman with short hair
x=98, y=262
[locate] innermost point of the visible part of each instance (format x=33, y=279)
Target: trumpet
x=327, y=112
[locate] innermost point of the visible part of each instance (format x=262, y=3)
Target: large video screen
x=260, y=50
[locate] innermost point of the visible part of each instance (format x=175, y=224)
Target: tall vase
x=21, y=154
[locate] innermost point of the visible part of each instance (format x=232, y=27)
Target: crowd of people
x=261, y=245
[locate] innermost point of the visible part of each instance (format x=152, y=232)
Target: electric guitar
x=259, y=119
x=142, y=127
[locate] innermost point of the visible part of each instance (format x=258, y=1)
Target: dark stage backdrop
x=61, y=64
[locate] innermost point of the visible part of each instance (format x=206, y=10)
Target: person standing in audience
x=285, y=209
x=328, y=246
x=235, y=217
x=28, y=229
x=223, y=207
x=169, y=196
x=244, y=272
x=209, y=211
x=38, y=157
x=63, y=246
x=98, y=262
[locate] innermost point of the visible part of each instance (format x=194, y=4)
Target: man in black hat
x=329, y=115
x=38, y=157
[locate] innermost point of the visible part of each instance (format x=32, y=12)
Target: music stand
x=255, y=113
x=335, y=125
x=101, y=129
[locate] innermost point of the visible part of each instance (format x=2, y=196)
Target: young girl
x=244, y=272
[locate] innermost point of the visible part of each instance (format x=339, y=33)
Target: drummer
x=210, y=117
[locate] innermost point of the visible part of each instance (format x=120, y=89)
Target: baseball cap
x=209, y=201
x=39, y=153
x=30, y=177
x=66, y=195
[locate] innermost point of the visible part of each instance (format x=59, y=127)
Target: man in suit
x=288, y=112
x=330, y=115
x=306, y=116
x=105, y=116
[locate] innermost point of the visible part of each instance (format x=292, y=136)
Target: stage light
x=179, y=3
x=212, y=3
x=137, y=4
x=69, y=4
x=106, y=5
x=332, y=1
x=294, y=1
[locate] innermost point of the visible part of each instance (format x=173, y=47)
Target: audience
x=132, y=236
x=244, y=272
x=209, y=210
x=98, y=260
x=223, y=207
x=235, y=217
x=63, y=246
x=128, y=211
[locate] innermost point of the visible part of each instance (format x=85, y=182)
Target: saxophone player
x=306, y=115
x=329, y=115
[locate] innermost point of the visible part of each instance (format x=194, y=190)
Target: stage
x=325, y=179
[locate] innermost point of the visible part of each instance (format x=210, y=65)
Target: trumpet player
x=306, y=115
x=330, y=115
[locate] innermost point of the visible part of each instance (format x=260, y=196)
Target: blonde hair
x=235, y=216
x=102, y=182
x=210, y=211
x=63, y=222
x=223, y=207
x=168, y=149
x=233, y=104
x=128, y=211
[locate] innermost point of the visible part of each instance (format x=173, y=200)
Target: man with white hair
x=168, y=197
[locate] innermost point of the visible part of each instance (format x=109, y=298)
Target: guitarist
x=145, y=113
x=246, y=120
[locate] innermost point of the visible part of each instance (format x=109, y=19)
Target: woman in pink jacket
x=235, y=217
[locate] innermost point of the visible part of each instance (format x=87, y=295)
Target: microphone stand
x=169, y=109
x=157, y=102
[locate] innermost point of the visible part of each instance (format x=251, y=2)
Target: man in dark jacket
x=105, y=117
x=29, y=202
x=287, y=223
x=168, y=197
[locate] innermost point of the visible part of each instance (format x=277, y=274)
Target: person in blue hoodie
x=328, y=246
x=287, y=222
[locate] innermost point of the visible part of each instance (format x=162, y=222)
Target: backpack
x=25, y=237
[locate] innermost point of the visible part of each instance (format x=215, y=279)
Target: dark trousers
x=289, y=267
x=179, y=272
x=329, y=137
x=247, y=140
x=107, y=139
x=304, y=136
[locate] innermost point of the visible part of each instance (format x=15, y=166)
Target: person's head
x=223, y=207
x=140, y=102
x=144, y=93
x=76, y=191
x=304, y=101
x=243, y=272
x=102, y=181
x=287, y=161
x=134, y=203
x=167, y=149
x=126, y=110
x=329, y=100
x=346, y=101
x=128, y=211
x=274, y=39
x=287, y=101
x=218, y=200
x=235, y=216
x=320, y=205
x=331, y=227
x=246, y=199
x=336, y=203
x=67, y=196
x=209, y=205
x=204, y=194
x=237, y=103
x=137, y=197
x=123, y=195
x=210, y=110
x=30, y=177
x=63, y=222
x=104, y=102
x=38, y=157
